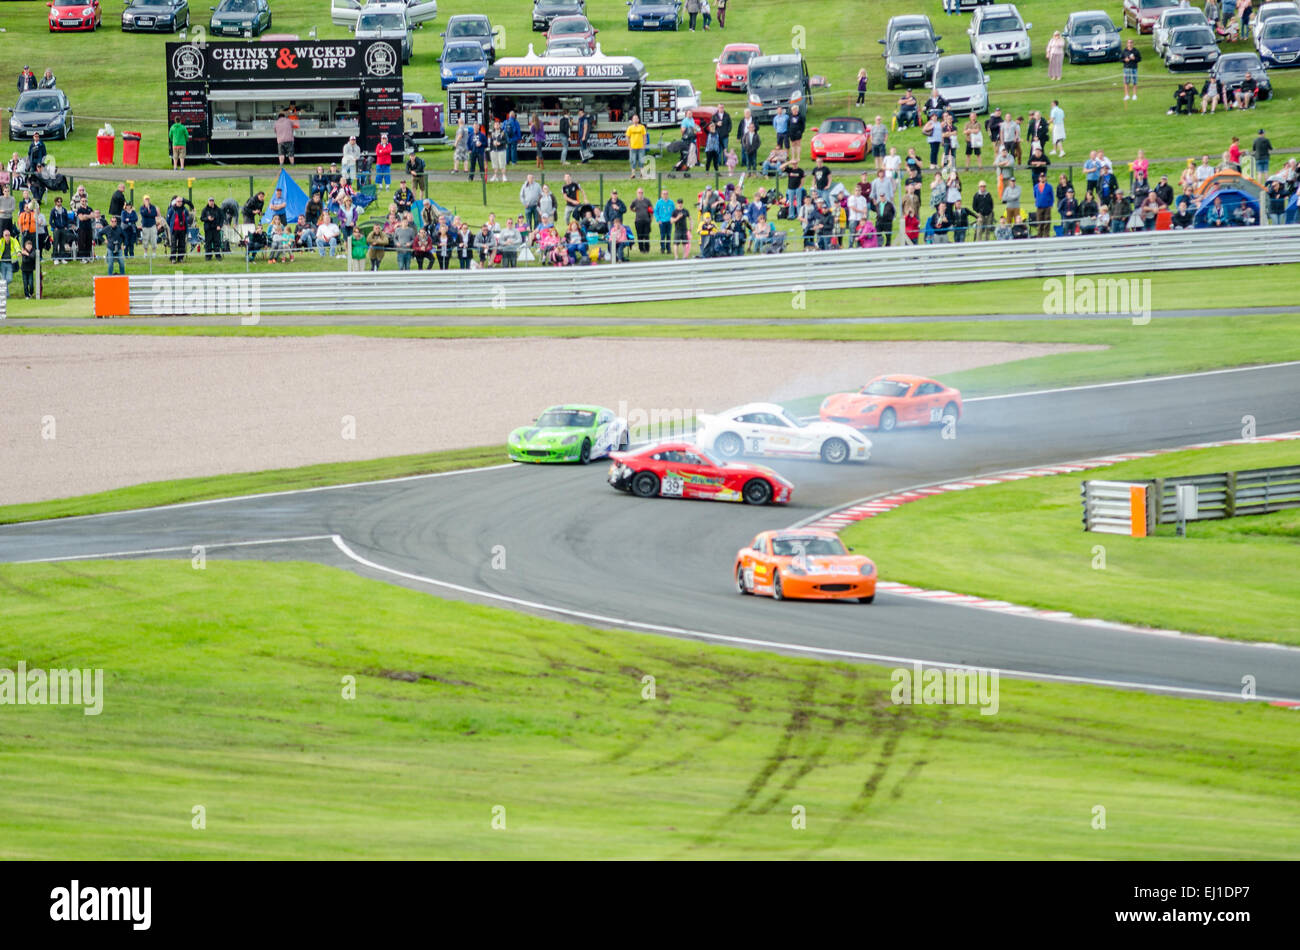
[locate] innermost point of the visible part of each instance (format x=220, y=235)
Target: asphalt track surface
x=576, y=549
x=345, y=320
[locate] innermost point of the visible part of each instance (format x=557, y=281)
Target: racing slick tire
x=949, y=411
x=866, y=600
x=756, y=492
x=584, y=453
x=729, y=445
x=888, y=420
x=835, y=451
x=645, y=484
x=741, y=586
x=778, y=592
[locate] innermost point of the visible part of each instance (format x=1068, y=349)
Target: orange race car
x=888, y=402
x=804, y=564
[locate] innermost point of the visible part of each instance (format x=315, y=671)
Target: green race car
x=569, y=434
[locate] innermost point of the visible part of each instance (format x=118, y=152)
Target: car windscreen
x=999, y=24
x=886, y=387
x=469, y=28
x=238, y=6
x=1241, y=64
x=812, y=546
x=915, y=46
x=566, y=419
x=377, y=22
x=766, y=78
x=1156, y=4
x=733, y=56
x=844, y=126
x=685, y=90
x=954, y=76
x=463, y=54
x=1193, y=36
x=1082, y=28
x=38, y=104
x=1281, y=30
x=566, y=27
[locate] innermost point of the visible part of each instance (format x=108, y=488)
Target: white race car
x=766, y=429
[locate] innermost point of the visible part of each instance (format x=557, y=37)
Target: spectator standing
x=722, y=14
x=513, y=134
x=879, y=136
x=351, y=156
x=1057, y=116
x=723, y=120
x=419, y=180
x=377, y=242
x=1043, y=199
x=681, y=221
x=461, y=143
x=113, y=241
x=663, y=215
x=1130, y=58
x=148, y=225
x=35, y=154
x=27, y=264
x=284, y=129
x=862, y=87
x=1262, y=149
x=530, y=193
x=179, y=138
x=692, y=11
x=636, y=136
x=974, y=140
x=26, y=82
x=566, y=130
x=797, y=126
x=1011, y=200
x=1055, y=55
x=404, y=241
x=707, y=16
x=538, y=132
x=750, y=142
x=211, y=219
x=584, y=136
x=178, y=225
x=642, y=209
x=982, y=205
x=10, y=255
x=60, y=230
x=781, y=128
x=1275, y=203
x=499, y=147
x=384, y=162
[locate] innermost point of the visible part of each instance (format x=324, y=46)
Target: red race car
x=682, y=470
x=732, y=70
x=841, y=139
x=69, y=17
x=804, y=564
x=888, y=402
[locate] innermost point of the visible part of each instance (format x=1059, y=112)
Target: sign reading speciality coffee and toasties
x=368, y=73
x=628, y=69
x=282, y=62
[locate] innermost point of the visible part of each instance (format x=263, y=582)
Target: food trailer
x=228, y=96
x=610, y=88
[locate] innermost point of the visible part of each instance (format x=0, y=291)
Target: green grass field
x=223, y=688
x=103, y=75
x=1024, y=542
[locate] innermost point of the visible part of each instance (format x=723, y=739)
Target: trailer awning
x=294, y=93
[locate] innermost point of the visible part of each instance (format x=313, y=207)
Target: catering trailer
x=611, y=89
x=228, y=96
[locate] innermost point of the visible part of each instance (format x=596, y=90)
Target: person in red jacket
x=384, y=162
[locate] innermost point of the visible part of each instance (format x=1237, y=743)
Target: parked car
x=570, y=26
x=1091, y=36
x=472, y=26
x=654, y=14
x=569, y=46
x=462, y=61
x=998, y=34
x=46, y=111
x=240, y=18
x=544, y=11
x=1171, y=20
x=909, y=21
x=778, y=80
x=840, y=139
x=387, y=21
x=910, y=57
x=344, y=12
x=74, y=17
x=1270, y=10
x=155, y=16
x=731, y=68
x=1143, y=14
x=960, y=79
x=1231, y=70
x=688, y=97
x=1191, y=47
x=1278, y=42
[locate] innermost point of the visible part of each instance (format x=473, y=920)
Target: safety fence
x=792, y=273
x=1137, y=507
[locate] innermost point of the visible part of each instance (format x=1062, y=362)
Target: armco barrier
x=1136, y=507
x=534, y=287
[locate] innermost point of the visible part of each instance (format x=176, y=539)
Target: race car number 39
x=672, y=485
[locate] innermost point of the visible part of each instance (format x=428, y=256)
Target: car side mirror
x=940, y=50
x=881, y=42
x=986, y=80
x=1029, y=26
x=928, y=84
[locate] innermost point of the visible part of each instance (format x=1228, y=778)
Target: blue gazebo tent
x=1233, y=198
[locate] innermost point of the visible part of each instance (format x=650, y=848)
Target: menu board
x=381, y=110
x=464, y=105
x=187, y=103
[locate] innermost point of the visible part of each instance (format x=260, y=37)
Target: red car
x=732, y=70
x=1143, y=14
x=888, y=402
x=841, y=139
x=682, y=470
x=69, y=17
x=572, y=27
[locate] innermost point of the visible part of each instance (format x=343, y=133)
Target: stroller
x=681, y=149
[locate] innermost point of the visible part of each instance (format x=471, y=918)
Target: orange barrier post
x=113, y=296
x=1137, y=510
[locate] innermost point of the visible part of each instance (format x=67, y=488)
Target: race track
x=573, y=545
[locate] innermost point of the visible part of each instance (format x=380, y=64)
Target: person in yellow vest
x=636, y=136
